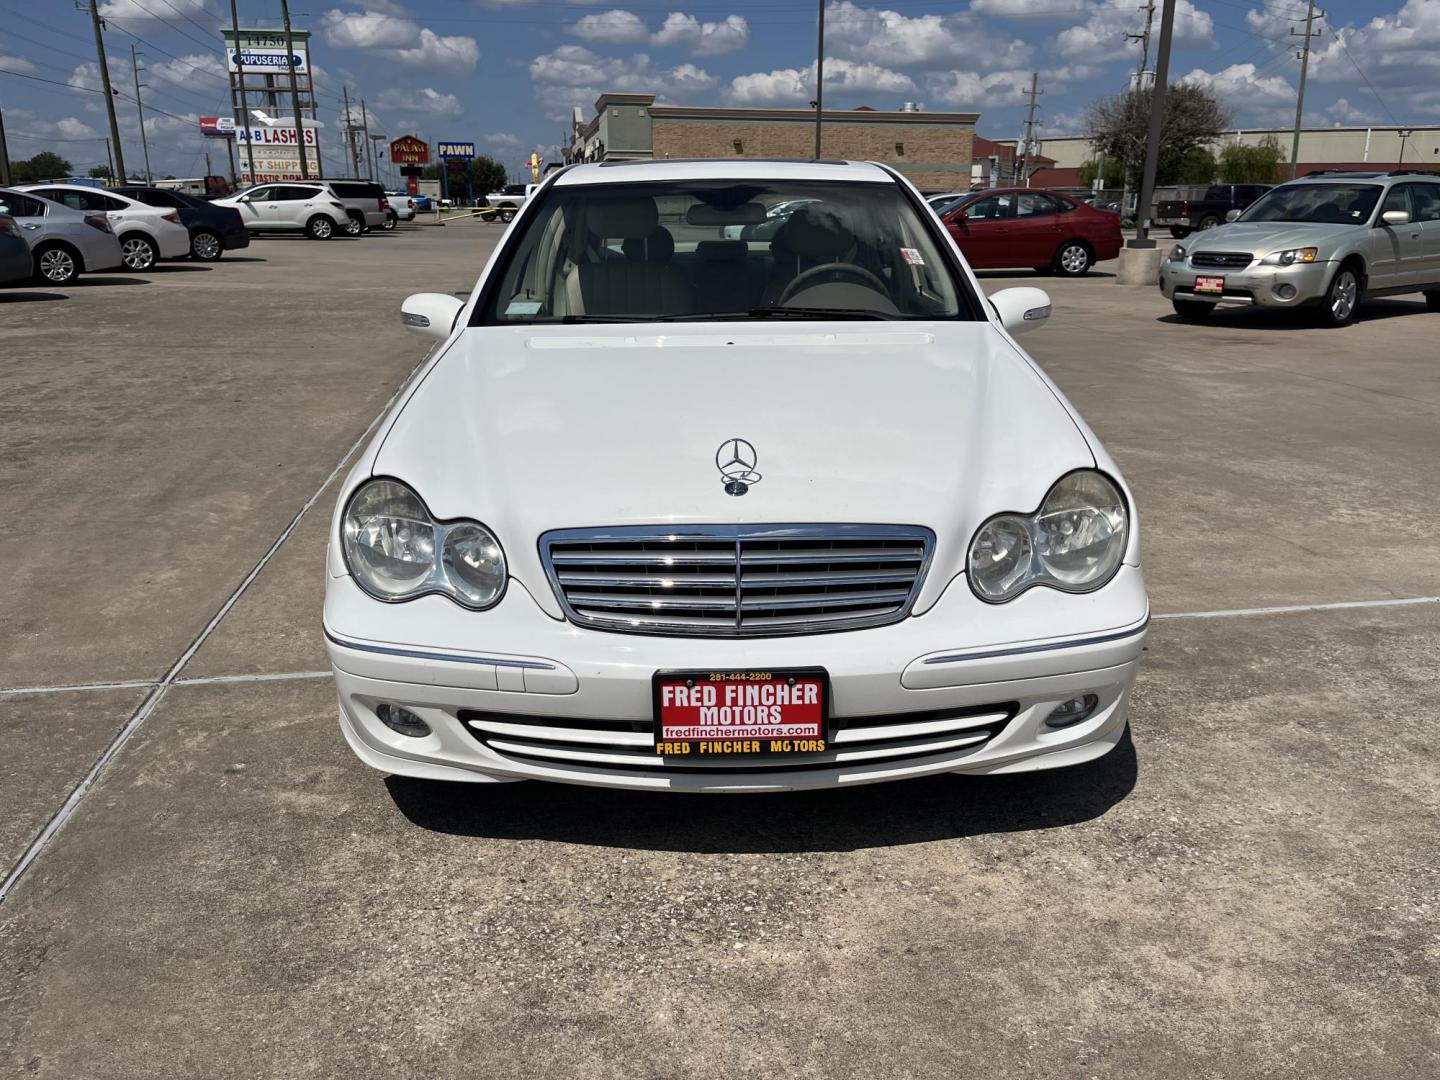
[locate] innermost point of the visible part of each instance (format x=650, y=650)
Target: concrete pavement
x=1246, y=888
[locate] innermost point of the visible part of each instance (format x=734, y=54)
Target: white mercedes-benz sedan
x=689, y=499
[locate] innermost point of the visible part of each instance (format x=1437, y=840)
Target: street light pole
x=819, y=78
x=1157, y=124
x=140, y=108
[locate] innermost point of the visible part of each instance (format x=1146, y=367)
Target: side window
x=107, y=202
x=1397, y=198
x=18, y=205
x=991, y=208
x=159, y=198
x=72, y=199
x=1035, y=205
x=302, y=194
x=1217, y=193
x=259, y=194
x=1426, y=198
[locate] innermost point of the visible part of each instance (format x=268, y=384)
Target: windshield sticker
x=912, y=256
x=524, y=307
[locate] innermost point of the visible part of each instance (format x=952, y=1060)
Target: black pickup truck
x=1196, y=207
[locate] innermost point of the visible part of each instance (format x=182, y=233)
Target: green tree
x=487, y=174
x=1258, y=164
x=100, y=172
x=1119, y=126
x=43, y=166
x=1114, y=173
x=1196, y=167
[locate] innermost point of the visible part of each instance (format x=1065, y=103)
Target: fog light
x=402, y=720
x=1073, y=711
x=1286, y=292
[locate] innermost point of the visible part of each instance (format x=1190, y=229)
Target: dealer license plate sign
x=725, y=714
x=1215, y=285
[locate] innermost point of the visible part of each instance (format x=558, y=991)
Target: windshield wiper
x=826, y=314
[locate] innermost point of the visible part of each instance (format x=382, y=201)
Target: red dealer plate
x=1210, y=284
x=727, y=714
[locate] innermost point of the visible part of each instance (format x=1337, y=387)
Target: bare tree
x=1193, y=117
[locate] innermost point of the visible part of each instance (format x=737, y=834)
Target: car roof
x=643, y=171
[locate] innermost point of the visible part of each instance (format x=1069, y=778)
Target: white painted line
x=19, y=691
x=158, y=690
x=1291, y=609
x=279, y=676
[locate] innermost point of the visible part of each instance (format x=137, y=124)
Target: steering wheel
x=864, y=276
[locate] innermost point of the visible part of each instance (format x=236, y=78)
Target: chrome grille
x=1222, y=260
x=630, y=744
x=737, y=581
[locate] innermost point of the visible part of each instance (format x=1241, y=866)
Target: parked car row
x=68, y=229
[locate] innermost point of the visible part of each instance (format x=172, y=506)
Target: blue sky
x=505, y=73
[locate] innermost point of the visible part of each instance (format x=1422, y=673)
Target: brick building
x=935, y=150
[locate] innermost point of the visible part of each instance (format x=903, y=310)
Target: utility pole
x=1144, y=39
x=1029, y=129
x=365, y=126
x=294, y=88
x=140, y=108
x=1300, y=98
x=239, y=84
x=819, y=78
x=350, y=134
x=109, y=94
x=1157, y=122
x=4, y=153
x=111, y=159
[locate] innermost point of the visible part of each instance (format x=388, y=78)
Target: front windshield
x=723, y=249
x=1330, y=204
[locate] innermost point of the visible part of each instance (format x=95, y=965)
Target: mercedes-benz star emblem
x=736, y=459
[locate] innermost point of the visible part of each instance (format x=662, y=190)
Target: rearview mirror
x=1396, y=217
x=1021, y=309
x=431, y=314
x=1232, y=215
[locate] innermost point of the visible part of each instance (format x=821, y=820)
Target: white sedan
x=146, y=233
x=667, y=509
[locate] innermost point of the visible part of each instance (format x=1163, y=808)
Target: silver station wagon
x=1325, y=241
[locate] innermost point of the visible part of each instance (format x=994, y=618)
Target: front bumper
x=548, y=705
x=1264, y=286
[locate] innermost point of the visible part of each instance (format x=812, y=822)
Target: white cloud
x=612, y=27
x=1343, y=114
x=968, y=91
x=925, y=41
x=397, y=38
x=703, y=38
x=572, y=75
x=424, y=102
x=503, y=140
x=1400, y=51
x=796, y=86
x=1029, y=9
x=196, y=71
x=1253, y=98
x=1102, y=35
x=137, y=10
x=15, y=63
x=74, y=128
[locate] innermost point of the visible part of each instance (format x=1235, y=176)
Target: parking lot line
x=1291, y=609
x=158, y=689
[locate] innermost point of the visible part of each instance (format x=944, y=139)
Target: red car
x=1008, y=227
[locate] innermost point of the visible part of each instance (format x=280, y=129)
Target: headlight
x=396, y=550
x=1074, y=542
x=1291, y=257
x=1177, y=253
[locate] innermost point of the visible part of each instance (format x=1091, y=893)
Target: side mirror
x=431, y=314
x=1396, y=217
x=1021, y=309
x=1232, y=215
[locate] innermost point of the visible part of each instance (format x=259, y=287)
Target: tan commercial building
x=934, y=150
x=1363, y=149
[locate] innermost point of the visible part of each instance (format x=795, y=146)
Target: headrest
x=722, y=250
x=658, y=247
x=623, y=218
x=816, y=232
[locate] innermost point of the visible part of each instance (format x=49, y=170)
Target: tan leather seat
x=628, y=286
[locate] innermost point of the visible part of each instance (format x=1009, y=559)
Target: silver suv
x=1324, y=241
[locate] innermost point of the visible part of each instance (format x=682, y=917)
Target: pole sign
x=217, y=127
x=461, y=150
x=409, y=150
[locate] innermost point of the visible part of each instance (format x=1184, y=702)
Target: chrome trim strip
x=1023, y=650
x=420, y=654
x=555, y=564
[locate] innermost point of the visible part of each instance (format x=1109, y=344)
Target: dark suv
x=365, y=204
x=214, y=230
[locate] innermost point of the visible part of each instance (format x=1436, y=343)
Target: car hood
x=536, y=428
x=1263, y=237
